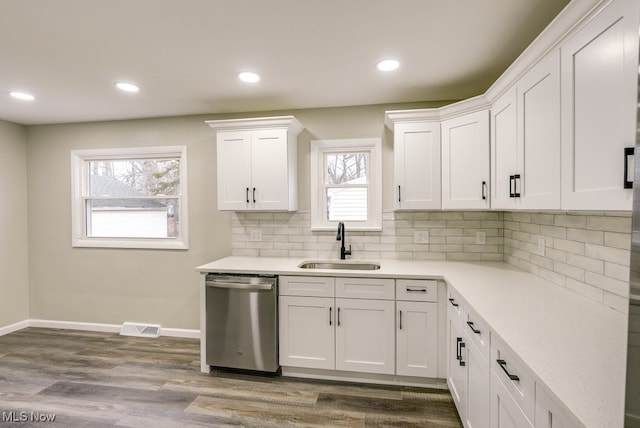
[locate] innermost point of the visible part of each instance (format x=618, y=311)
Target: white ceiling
x=185, y=54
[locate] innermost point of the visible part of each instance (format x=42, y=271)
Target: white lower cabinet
x=548, y=412
x=365, y=340
x=478, y=373
x=329, y=329
x=306, y=332
x=468, y=372
x=416, y=339
x=505, y=412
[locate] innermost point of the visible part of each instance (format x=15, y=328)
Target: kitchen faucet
x=341, y=237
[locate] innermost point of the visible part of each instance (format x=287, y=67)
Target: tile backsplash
x=585, y=252
x=433, y=235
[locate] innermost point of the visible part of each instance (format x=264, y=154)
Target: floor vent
x=140, y=330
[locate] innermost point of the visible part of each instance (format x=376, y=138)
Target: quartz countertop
x=576, y=347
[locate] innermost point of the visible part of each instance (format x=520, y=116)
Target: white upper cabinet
x=599, y=78
x=465, y=161
x=416, y=154
x=504, y=151
x=525, y=140
x=538, y=127
x=257, y=163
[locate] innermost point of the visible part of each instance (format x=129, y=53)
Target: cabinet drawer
x=417, y=290
x=365, y=288
x=312, y=286
x=478, y=332
x=515, y=376
x=455, y=305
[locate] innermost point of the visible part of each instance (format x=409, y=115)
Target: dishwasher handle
x=241, y=285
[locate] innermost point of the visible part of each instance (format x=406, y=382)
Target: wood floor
x=88, y=379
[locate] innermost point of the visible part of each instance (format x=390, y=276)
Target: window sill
x=152, y=244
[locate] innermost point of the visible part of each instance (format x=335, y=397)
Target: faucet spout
x=341, y=237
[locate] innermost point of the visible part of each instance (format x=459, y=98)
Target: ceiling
x=185, y=54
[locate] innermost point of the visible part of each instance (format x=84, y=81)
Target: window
x=129, y=198
x=346, y=178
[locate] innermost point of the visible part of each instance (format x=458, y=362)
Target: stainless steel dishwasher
x=242, y=322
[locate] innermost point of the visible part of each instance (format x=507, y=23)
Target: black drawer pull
x=502, y=364
x=473, y=329
x=628, y=152
x=453, y=302
x=330, y=317
x=399, y=196
x=416, y=290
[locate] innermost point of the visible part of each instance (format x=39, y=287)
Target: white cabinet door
x=307, y=332
x=417, y=339
x=416, y=148
x=365, y=336
x=599, y=77
x=505, y=413
x=465, y=161
x=234, y=170
x=538, y=127
x=504, y=151
x=548, y=412
x=478, y=384
x=269, y=170
x=457, y=367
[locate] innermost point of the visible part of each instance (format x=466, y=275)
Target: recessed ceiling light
x=388, y=65
x=22, y=95
x=248, y=76
x=127, y=87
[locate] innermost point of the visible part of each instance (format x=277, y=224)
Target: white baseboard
x=14, y=327
x=72, y=325
x=88, y=326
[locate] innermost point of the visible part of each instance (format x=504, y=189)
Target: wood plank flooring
x=89, y=379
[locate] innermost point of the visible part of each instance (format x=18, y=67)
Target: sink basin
x=336, y=264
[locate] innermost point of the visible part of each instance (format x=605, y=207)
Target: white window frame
x=80, y=192
x=373, y=148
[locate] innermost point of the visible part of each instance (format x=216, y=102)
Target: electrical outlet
x=541, y=246
x=421, y=237
x=481, y=238
x=255, y=235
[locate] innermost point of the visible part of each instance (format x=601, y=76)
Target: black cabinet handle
x=247, y=194
x=399, y=196
x=458, y=341
x=462, y=345
x=338, y=317
x=330, y=317
x=453, y=302
x=400, y=320
x=484, y=190
x=416, y=290
x=502, y=364
x=628, y=151
x=470, y=324
x=254, y=195
x=512, y=192
x=516, y=186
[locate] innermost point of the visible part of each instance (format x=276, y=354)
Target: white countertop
x=575, y=346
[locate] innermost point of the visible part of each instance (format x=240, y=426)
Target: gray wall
x=155, y=286
x=13, y=224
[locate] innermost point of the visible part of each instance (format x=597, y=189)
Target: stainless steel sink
x=335, y=264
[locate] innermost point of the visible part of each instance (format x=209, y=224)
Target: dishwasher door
x=242, y=322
